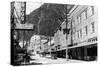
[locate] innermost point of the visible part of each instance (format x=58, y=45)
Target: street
x=45, y=60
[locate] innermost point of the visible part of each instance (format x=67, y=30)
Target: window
x=92, y=25
x=90, y=11
x=78, y=19
x=86, y=13
x=83, y=15
x=60, y=28
x=73, y=36
x=86, y=30
x=64, y=31
x=73, y=22
x=80, y=33
x=67, y=31
x=83, y=32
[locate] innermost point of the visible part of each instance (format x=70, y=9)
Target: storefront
x=87, y=53
x=61, y=53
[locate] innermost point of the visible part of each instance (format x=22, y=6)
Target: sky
x=30, y=6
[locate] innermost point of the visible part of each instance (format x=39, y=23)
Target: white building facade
x=83, y=31
x=81, y=41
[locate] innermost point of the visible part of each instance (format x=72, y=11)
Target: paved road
x=44, y=60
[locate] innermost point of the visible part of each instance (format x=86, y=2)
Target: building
x=79, y=39
x=43, y=45
x=82, y=38
x=35, y=43
x=60, y=41
x=38, y=44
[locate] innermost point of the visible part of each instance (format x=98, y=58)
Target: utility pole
x=66, y=20
x=67, y=32
x=40, y=18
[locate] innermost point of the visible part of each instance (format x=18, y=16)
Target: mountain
x=49, y=16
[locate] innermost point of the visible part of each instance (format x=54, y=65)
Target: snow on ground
x=45, y=60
